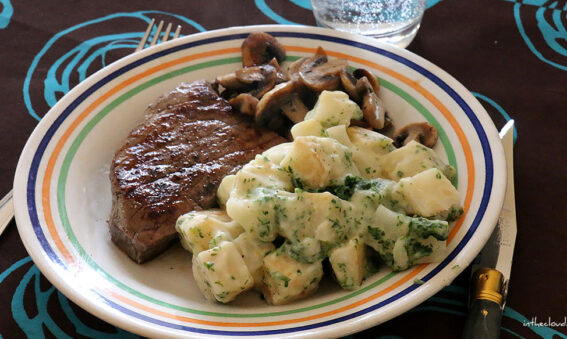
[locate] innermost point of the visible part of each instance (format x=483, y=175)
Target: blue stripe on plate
x=69, y=109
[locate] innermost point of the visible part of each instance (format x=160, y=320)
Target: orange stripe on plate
x=390, y=288
x=66, y=135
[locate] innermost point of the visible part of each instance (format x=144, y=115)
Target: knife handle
x=485, y=313
x=483, y=321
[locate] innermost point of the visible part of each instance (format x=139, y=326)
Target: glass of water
x=392, y=21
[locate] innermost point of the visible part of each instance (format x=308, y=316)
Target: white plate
x=62, y=192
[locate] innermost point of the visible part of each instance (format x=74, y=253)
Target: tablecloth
x=512, y=55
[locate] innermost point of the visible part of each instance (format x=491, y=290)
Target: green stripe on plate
x=61, y=188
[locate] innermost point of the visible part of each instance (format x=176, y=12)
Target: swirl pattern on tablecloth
x=6, y=13
x=548, y=39
x=67, y=70
x=36, y=320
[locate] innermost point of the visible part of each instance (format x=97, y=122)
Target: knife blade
x=493, y=265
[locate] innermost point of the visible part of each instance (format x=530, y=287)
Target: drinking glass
x=392, y=21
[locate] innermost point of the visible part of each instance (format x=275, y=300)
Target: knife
x=492, y=267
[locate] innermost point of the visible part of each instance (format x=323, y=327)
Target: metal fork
x=157, y=33
x=6, y=204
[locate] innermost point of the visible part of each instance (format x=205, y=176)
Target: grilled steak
x=173, y=162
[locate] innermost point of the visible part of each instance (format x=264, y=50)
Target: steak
x=173, y=163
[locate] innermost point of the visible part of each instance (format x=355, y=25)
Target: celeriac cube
x=334, y=108
x=309, y=127
x=316, y=162
x=349, y=263
x=222, y=272
x=253, y=252
x=276, y=153
x=369, y=148
x=287, y=280
x=340, y=134
x=427, y=193
x=197, y=228
x=411, y=159
x=225, y=188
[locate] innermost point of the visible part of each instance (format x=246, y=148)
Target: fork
x=166, y=34
x=7, y=204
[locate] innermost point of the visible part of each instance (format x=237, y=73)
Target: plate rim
x=349, y=326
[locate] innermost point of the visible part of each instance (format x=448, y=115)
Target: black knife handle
x=483, y=321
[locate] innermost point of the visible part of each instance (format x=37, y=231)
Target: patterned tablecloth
x=511, y=54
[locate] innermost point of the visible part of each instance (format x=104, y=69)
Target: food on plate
x=340, y=191
x=173, y=162
x=279, y=98
x=337, y=192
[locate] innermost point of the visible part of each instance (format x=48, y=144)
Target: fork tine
x=166, y=33
x=156, y=34
x=177, y=31
x=146, y=35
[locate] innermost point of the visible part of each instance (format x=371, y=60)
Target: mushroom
x=361, y=72
x=261, y=79
x=373, y=108
x=245, y=103
x=256, y=80
x=230, y=81
x=349, y=85
x=293, y=70
x=295, y=109
x=319, y=74
x=320, y=56
x=422, y=132
x=281, y=99
x=280, y=76
x=260, y=48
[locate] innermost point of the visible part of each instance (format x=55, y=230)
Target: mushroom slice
x=373, y=108
x=349, y=85
x=293, y=70
x=260, y=79
x=249, y=75
x=269, y=107
x=260, y=48
x=295, y=109
x=245, y=103
x=374, y=82
x=280, y=76
x=319, y=75
x=422, y=132
x=230, y=81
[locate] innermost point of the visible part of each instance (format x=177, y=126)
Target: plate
x=62, y=192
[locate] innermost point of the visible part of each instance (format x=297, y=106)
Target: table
x=512, y=54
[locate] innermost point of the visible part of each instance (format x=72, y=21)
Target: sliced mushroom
x=230, y=81
x=254, y=74
x=349, y=85
x=260, y=78
x=319, y=75
x=320, y=56
x=293, y=70
x=373, y=108
x=244, y=103
x=374, y=82
x=422, y=132
x=280, y=76
x=256, y=80
x=295, y=109
x=269, y=107
x=260, y=48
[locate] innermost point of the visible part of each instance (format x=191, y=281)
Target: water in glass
x=393, y=21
